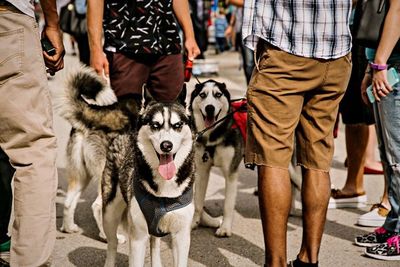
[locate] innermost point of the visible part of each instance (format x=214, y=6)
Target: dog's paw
x=73, y=228
x=223, y=232
x=121, y=238
x=195, y=224
x=208, y=221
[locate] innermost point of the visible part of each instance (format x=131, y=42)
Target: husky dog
x=220, y=145
x=91, y=107
x=148, y=179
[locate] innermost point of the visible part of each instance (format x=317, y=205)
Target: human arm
x=365, y=83
x=181, y=10
x=238, y=3
x=230, y=29
x=390, y=36
x=53, y=33
x=98, y=60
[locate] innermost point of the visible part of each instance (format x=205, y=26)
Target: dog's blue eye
x=218, y=95
x=177, y=125
x=155, y=125
x=203, y=95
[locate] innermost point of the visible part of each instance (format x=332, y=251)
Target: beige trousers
x=27, y=137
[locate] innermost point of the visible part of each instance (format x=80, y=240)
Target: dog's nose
x=166, y=146
x=210, y=110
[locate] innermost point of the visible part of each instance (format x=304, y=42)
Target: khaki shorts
x=290, y=94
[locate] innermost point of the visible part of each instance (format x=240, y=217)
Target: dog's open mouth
x=167, y=168
x=210, y=120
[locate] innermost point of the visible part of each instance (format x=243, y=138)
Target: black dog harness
x=154, y=208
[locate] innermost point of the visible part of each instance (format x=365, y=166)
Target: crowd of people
x=310, y=75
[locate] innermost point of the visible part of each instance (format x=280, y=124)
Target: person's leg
x=314, y=137
x=27, y=137
x=389, y=147
x=127, y=75
x=6, y=174
x=274, y=192
x=166, y=78
x=315, y=196
x=248, y=62
x=356, y=143
x=83, y=48
x=273, y=116
x=371, y=163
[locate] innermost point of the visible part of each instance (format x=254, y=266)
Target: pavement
x=245, y=246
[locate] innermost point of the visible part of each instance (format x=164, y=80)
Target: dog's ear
x=182, y=99
x=146, y=98
x=225, y=91
x=182, y=96
x=195, y=92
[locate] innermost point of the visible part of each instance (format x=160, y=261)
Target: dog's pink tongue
x=167, y=167
x=209, y=121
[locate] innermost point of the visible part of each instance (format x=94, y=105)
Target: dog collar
x=154, y=208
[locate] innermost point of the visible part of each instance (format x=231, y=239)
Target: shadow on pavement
x=89, y=256
x=208, y=249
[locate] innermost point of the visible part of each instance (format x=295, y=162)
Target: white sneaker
x=338, y=200
x=375, y=217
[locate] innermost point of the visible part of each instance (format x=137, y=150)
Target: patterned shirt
x=308, y=28
x=141, y=27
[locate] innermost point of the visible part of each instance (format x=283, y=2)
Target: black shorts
x=352, y=107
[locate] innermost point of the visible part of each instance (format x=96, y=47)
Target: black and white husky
x=220, y=145
x=148, y=179
x=96, y=116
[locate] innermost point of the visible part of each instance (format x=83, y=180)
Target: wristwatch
x=375, y=66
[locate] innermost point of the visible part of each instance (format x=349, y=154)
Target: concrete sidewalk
x=245, y=247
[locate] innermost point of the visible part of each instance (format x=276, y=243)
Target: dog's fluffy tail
x=89, y=102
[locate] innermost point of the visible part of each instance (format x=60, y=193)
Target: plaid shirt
x=309, y=28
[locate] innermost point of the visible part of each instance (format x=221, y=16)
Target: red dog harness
x=240, y=116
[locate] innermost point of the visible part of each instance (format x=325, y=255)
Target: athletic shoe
x=375, y=217
x=339, y=200
x=5, y=253
x=5, y=246
x=389, y=251
x=377, y=237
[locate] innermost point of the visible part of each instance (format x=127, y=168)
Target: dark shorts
x=352, y=107
x=163, y=75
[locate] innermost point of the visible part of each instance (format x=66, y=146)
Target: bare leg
x=385, y=200
x=315, y=197
x=356, y=145
x=274, y=197
x=370, y=159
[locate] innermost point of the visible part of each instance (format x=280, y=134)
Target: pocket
x=11, y=54
x=348, y=58
x=261, y=57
